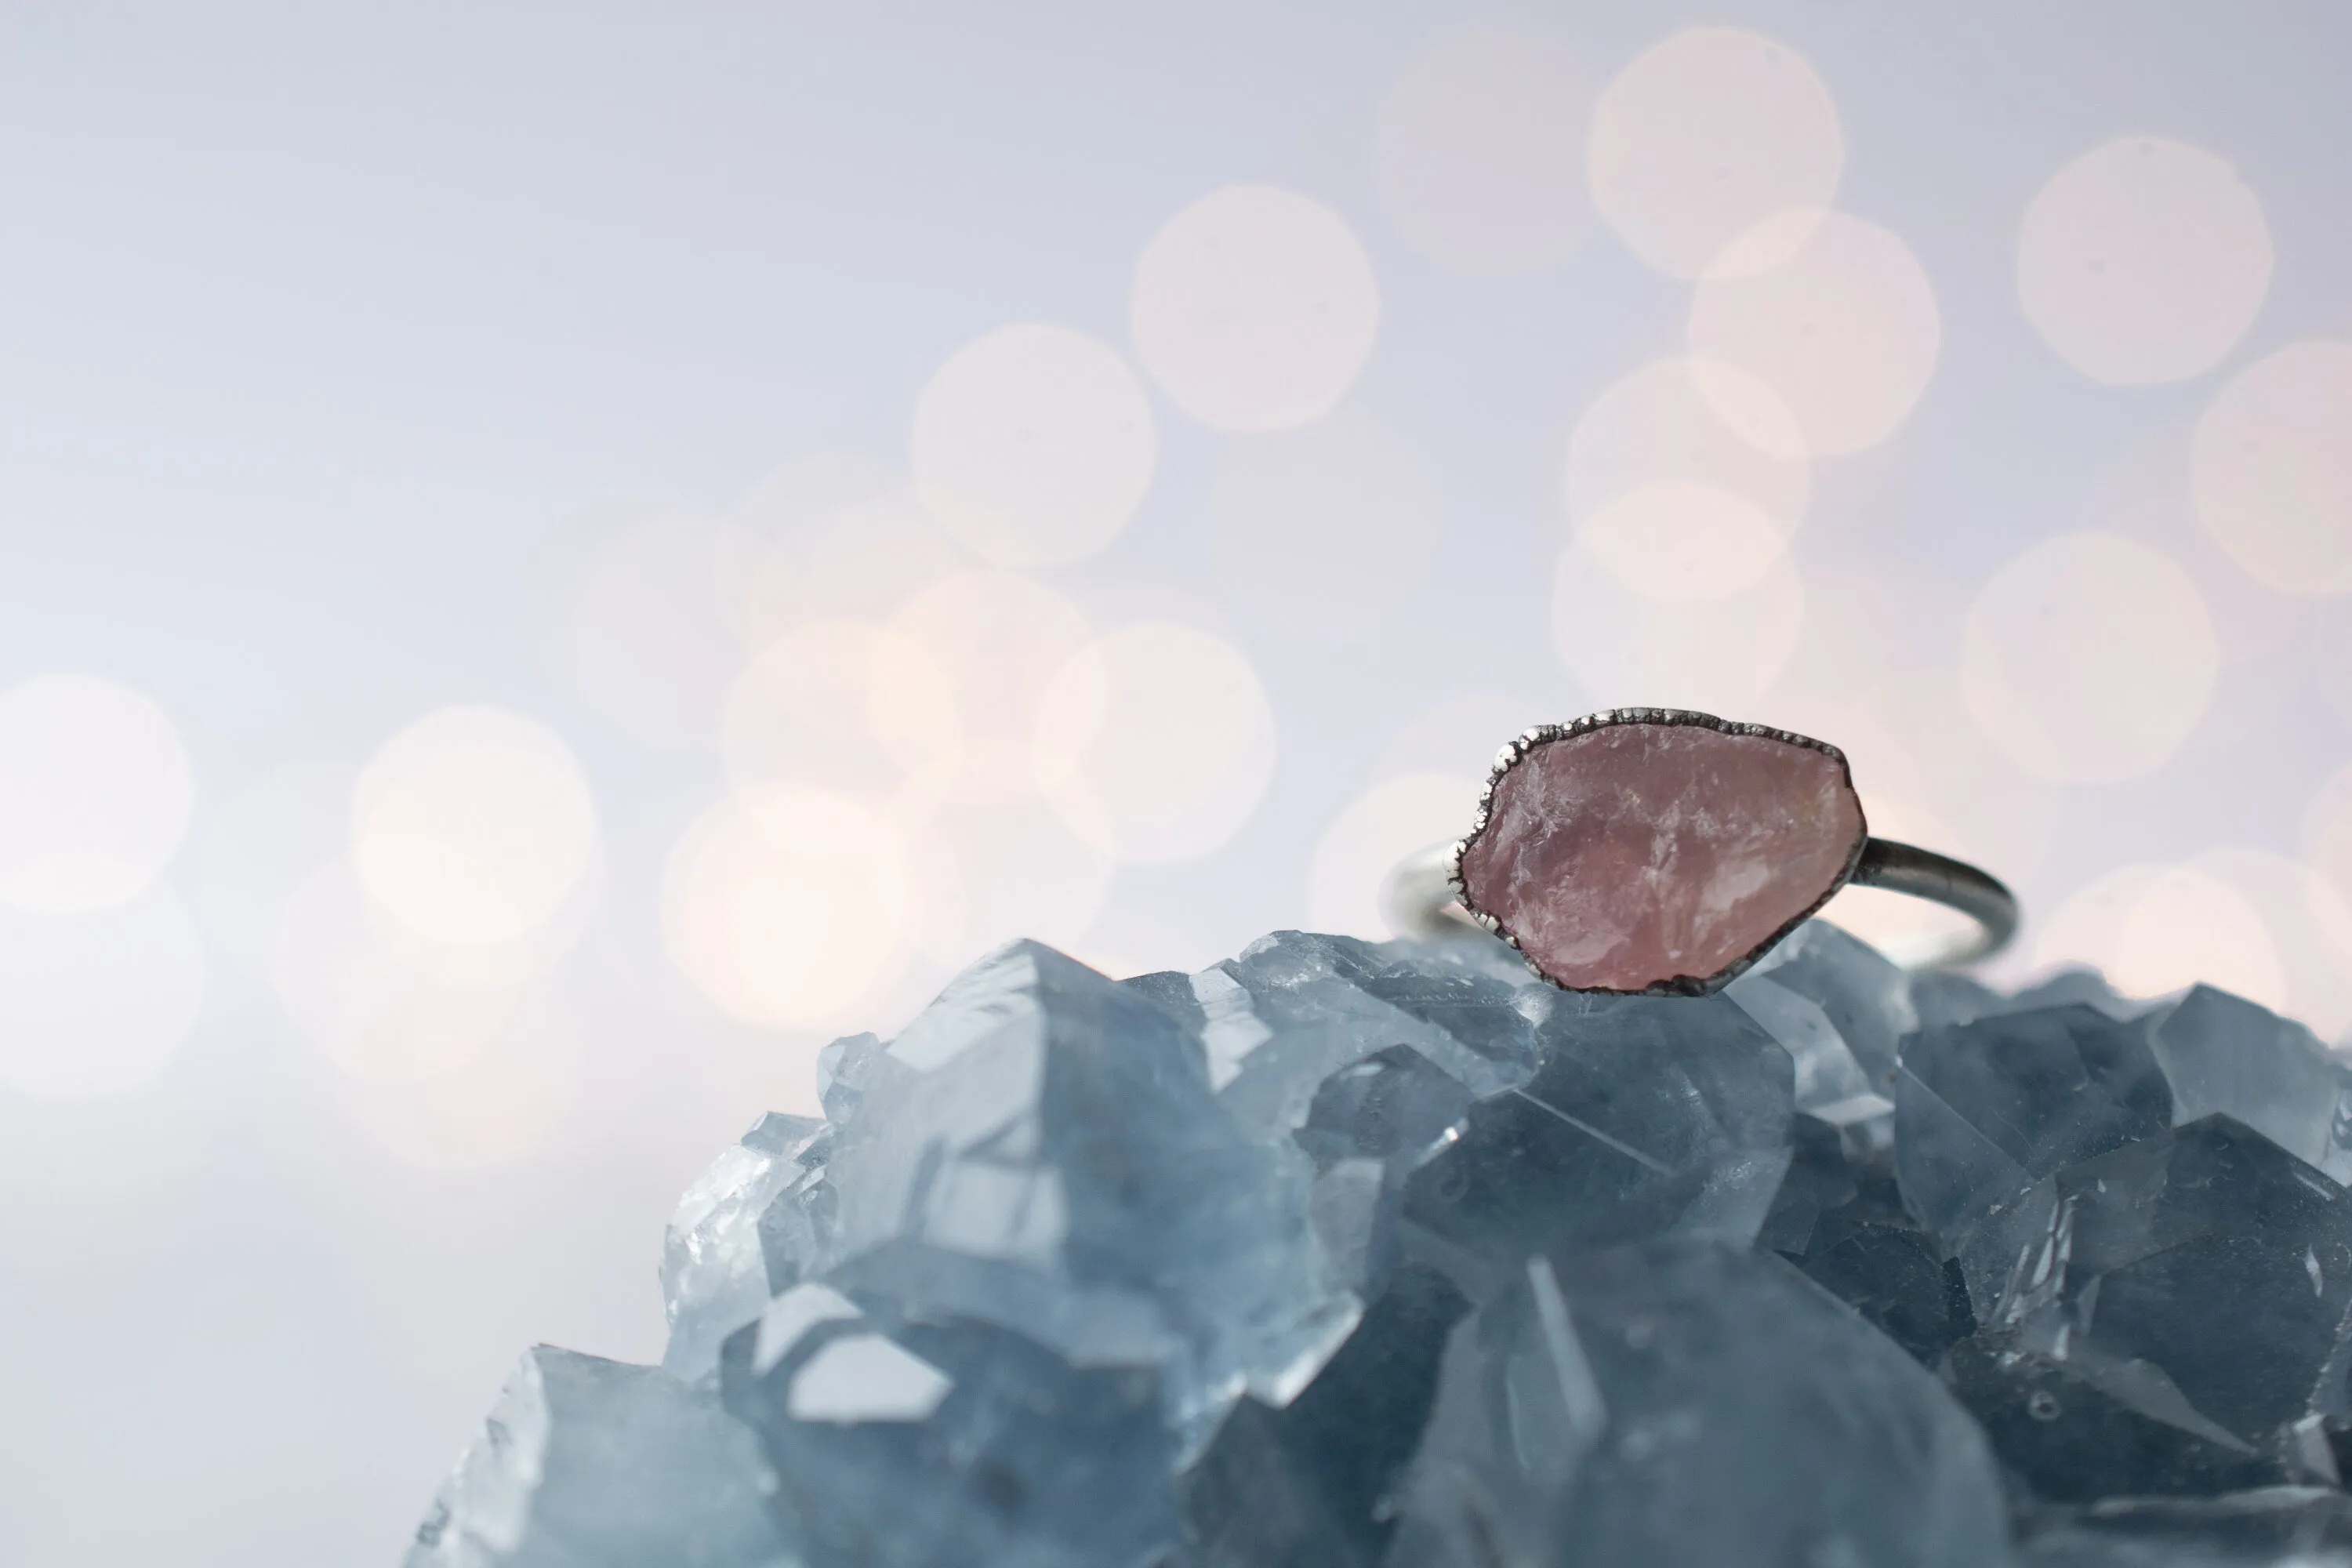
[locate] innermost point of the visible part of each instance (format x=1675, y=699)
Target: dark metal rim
x=1426, y=905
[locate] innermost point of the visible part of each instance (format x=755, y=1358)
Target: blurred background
x=556, y=558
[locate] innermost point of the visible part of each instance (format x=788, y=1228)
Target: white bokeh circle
x=1478, y=150
x=95, y=794
x=1254, y=309
x=1676, y=420
x=786, y=906
x=2153, y=930
x=991, y=858
x=1683, y=540
x=845, y=704
x=2272, y=469
x=1705, y=135
x=1034, y=444
x=379, y=1008
x=2089, y=657
x=1638, y=651
x=996, y=639
x=1395, y=818
x=1832, y=312
x=473, y=827
x=1161, y=733
x=2143, y=261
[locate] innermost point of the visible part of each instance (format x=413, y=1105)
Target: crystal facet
x=1653, y=855
x=1683, y=1402
x=587, y=1463
x=1344, y=1255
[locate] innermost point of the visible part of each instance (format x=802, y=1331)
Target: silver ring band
x=1418, y=897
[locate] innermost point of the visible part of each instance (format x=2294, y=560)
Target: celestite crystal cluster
x=1340, y=1255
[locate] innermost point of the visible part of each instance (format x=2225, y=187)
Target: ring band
x=1659, y=851
x=1417, y=898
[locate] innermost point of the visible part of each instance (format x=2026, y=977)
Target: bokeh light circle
x=1730, y=430
x=95, y=794
x=1681, y=539
x=1035, y=444
x=2327, y=832
x=1632, y=650
x=996, y=639
x=1830, y=312
x=2153, y=930
x=848, y=704
x=786, y=905
x=1705, y=135
x=379, y=1010
x=2272, y=469
x=2089, y=657
x=1254, y=309
x=1476, y=150
x=512, y=1102
x=2143, y=261
x=1397, y=817
x=1162, y=732
x=96, y=1002
x=473, y=827
x=993, y=859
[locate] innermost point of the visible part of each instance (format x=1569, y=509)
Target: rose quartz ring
x=1659, y=852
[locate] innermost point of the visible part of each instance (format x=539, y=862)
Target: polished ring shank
x=1419, y=898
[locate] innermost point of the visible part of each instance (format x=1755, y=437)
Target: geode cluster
x=1339, y=1255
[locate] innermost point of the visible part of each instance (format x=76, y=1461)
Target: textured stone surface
x=715, y=1268
x=1044, y=1152
x=2276, y=1526
x=1685, y=1402
x=2179, y=1306
x=1345, y=1255
x=587, y=1463
x=1641, y=855
x=1652, y=1116
x=947, y=1442
x=1312, y=1483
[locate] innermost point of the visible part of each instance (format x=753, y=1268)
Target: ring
x=1658, y=852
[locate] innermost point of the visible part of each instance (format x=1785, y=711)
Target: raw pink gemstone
x=1642, y=854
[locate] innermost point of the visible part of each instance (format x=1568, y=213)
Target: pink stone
x=1644, y=856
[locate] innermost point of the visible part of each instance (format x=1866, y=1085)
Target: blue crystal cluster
x=1340, y=1255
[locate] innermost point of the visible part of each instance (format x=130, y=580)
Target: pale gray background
x=336, y=342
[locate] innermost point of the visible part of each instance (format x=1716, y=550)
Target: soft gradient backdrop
x=558, y=556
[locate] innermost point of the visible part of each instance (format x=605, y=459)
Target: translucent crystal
x=1648, y=1117
x=949, y=1443
x=1343, y=1255
x=1841, y=1219
x=1984, y=1109
x=1830, y=1084
x=2182, y=1308
x=2221, y=1053
x=1370, y=1126
x=1293, y=1008
x=1691, y=1403
x=1044, y=1153
x=715, y=1275
x=1313, y=1482
x=2276, y=1526
x=587, y=1463
x=1867, y=998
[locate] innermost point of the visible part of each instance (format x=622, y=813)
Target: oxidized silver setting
x=1872, y=862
